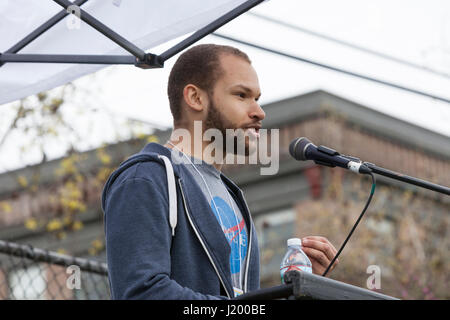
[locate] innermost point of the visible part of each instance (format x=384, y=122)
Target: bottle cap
x=294, y=242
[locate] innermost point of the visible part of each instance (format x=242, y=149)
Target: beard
x=238, y=142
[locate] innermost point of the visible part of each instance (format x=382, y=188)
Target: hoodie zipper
x=200, y=239
x=249, y=244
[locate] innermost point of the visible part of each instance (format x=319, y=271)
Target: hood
x=149, y=153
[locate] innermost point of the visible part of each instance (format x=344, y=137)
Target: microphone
x=302, y=149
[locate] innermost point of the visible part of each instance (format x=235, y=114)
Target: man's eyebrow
x=245, y=88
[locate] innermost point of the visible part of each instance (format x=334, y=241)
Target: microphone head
x=297, y=147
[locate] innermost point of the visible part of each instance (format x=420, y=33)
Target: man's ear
x=195, y=97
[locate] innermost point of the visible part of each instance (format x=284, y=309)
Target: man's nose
x=257, y=112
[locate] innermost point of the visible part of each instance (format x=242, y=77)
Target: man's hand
x=320, y=251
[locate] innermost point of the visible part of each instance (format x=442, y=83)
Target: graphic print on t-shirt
x=234, y=231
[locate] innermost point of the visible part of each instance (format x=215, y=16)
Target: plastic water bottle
x=295, y=258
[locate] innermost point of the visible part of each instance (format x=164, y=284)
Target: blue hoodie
x=144, y=260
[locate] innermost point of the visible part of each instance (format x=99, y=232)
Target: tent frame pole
x=213, y=26
x=68, y=58
x=38, y=31
x=105, y=30
x=42, y=28
x=140, y=58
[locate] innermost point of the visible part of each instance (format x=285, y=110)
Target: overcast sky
x=416, y=31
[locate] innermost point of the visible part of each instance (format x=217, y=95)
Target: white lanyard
x=217, y=210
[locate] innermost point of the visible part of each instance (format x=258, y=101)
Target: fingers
x=320, y=251
x=318, y=238
x=317, y=255
x=320, y=244
x=318, y=268
x=319, y=261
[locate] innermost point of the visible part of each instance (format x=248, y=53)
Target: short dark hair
x=200, y=66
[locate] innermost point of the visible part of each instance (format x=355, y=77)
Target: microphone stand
x=407, y=179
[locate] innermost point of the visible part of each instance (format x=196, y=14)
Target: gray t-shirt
x=227, y=213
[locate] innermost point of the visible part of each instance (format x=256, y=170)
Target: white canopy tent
x=46, y=43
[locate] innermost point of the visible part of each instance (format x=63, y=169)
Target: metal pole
x=36, y=254
x=103, y=29
x=278, y=292
x=208, y=29
x=67, y=58
x=41, y=29
x=408, y=179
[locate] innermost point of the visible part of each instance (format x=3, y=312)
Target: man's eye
x=241, y=95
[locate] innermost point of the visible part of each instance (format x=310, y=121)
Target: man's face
x=233, y=103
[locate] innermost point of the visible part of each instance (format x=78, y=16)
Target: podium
x=302, y=285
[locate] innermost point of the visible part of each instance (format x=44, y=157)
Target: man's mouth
x=254, y=131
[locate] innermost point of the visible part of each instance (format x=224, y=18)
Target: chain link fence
x=31, y=273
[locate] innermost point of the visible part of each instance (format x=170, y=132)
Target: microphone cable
x=372, y=191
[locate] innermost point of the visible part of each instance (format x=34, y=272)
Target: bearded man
x=192, y=237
